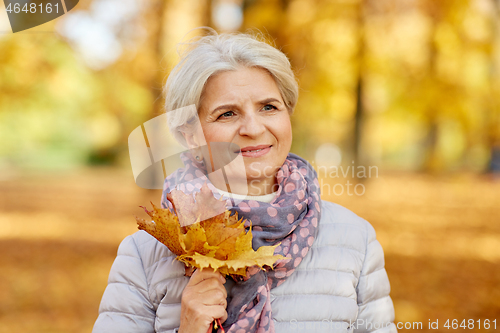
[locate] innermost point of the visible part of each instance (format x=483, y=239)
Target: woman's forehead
x=230, y=87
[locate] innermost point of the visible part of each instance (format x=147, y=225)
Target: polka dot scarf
x=290, y=219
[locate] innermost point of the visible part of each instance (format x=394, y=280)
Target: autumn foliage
x=202, y=233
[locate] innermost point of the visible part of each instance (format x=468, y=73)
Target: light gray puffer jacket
x=340, y=286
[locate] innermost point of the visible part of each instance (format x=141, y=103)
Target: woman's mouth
x=256, y=151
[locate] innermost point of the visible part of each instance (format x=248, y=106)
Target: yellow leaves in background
x=300, y=12
x=104, y=131
x=435, y=61
x=344, y=105
x=421, y=65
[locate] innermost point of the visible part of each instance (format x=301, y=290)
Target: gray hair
x=213, y=53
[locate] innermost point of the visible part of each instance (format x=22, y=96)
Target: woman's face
x=245, y=107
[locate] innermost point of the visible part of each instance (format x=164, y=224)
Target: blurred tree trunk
x=157, y=12
x=431, y=158
x=358, y=122
x=494, y=126
x=157, y=38
x=359, y=113
x=431, y=162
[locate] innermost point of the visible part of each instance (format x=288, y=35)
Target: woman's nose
x=252, y=125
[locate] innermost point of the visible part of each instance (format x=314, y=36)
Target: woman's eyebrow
x=269, y=100
x=225, y=106
x=230, y=106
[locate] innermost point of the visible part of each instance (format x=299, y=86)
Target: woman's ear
x=191, y=140
x=194, y=143
x=193, y=134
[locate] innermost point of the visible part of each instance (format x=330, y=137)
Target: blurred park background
x=410, y=88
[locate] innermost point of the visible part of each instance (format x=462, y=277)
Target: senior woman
x=333, y=279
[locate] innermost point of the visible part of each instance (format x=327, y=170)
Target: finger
x=224, y=317
x=209, y=285
x=216, y=312
x=203, y=274
x=214, y=297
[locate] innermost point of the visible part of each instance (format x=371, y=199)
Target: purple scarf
x=291, y=218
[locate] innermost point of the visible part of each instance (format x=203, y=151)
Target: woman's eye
x=272, y=107
x=226, y=114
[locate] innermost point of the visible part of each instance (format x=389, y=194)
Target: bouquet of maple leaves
x=202, y=234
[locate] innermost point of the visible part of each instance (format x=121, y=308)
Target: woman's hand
x=203, y=301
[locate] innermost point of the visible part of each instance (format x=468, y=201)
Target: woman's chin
x=256, y=169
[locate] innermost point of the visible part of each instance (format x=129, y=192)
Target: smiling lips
x=255, y=151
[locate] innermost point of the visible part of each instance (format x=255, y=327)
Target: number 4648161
x=32, y=8
x=471, y=324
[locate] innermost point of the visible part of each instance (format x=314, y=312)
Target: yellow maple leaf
x=204, y=234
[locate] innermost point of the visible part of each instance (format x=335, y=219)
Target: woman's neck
x=263, y=198
x=254, y=187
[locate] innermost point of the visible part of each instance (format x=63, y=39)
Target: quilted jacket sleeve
x=376, y=311
x=125, y=306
